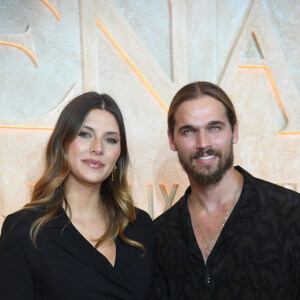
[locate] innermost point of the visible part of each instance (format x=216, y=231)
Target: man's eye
x=187, y=131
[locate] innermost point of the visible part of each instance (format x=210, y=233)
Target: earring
x=113, y=173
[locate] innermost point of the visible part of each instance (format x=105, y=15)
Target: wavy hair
x=48, y=193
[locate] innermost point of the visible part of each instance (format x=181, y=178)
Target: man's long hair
x=196, y=90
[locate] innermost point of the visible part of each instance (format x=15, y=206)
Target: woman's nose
x=97, y=147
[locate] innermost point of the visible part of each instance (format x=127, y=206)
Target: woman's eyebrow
x=113, y=132
x=88, y=127
x=93, y=130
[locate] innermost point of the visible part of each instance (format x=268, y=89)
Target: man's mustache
x=209, y=151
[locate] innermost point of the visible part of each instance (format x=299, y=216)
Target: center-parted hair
x=197, y=90
x=48, y=193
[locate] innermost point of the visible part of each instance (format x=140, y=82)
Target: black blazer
x=67, y=266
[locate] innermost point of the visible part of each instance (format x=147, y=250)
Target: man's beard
x=208, y=175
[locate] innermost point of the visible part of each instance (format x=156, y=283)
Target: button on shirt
x=257, y=255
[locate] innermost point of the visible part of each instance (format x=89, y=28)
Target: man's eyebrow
x=217, y=122
x=186, y=127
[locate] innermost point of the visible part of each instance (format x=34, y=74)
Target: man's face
x=203, y=139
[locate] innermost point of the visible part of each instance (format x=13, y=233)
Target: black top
x=67, y=266
x=256, y=257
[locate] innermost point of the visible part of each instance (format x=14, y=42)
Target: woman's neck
x=84, y=201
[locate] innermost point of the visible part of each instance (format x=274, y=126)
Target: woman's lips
x=94, y=164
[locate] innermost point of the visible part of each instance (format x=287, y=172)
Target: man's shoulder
x=271, y=192
x=278, y=189
x=170, y=228
x=173, y=214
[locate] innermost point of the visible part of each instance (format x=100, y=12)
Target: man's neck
x=212, y=197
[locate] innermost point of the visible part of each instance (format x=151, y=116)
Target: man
x=231, y=236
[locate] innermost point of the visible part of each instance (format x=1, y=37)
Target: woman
x=80, y=237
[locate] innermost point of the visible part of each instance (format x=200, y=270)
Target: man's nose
x=203, y=140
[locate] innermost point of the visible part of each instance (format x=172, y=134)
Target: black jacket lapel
x=62, y=232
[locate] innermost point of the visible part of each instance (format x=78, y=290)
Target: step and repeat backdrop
x=141, y=52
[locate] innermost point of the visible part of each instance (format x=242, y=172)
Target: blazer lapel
x=66, y=236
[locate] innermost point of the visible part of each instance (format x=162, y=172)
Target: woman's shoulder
x=143, y=218
x=20, y=221
x=142, y=228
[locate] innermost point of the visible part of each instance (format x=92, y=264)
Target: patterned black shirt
x=256, y=257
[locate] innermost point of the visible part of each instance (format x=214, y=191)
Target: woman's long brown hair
x=48, y=193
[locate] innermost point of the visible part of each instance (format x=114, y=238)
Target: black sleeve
x=16, y=281
x=297, y=268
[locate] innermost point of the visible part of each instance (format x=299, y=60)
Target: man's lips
x=94, y=164
x=205, y=160
x=206, y=154
x=205, y=157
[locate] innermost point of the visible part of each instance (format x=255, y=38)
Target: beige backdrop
x=141, y=52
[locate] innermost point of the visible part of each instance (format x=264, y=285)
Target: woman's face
x=94, y=152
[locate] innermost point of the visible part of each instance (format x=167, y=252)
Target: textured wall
x=141, y=52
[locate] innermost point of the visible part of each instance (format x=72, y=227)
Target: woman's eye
x=112, y=140
x=84, y=134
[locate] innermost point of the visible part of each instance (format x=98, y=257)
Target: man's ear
x=235, y=135
x=171, y=141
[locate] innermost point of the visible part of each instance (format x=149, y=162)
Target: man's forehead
x=206, y=108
